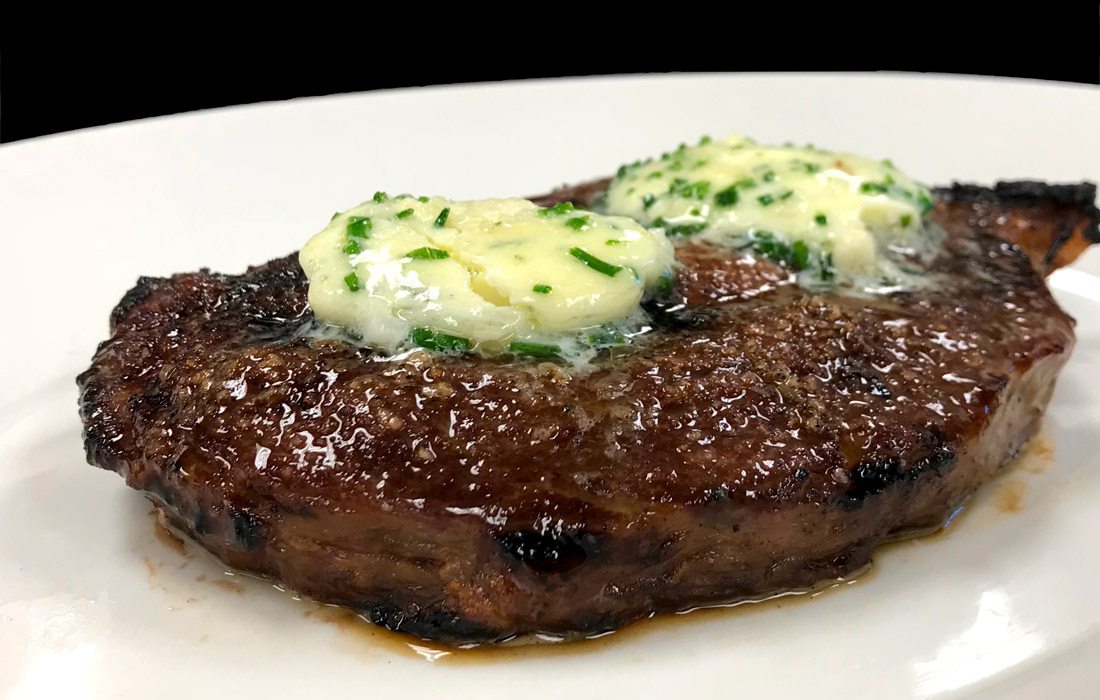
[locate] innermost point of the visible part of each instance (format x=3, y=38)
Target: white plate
x=92, y=603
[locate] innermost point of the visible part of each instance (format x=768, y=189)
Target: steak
x=763, y=437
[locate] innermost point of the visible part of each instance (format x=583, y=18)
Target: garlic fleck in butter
x=832, y=216
x=494, y=276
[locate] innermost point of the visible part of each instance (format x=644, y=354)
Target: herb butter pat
x=495, y=276
x=828, y=214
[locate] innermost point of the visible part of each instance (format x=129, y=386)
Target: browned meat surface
x=762, y=438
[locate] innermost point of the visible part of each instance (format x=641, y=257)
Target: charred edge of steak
x=137, y=294
x=1022, y=201
x=1081, y=195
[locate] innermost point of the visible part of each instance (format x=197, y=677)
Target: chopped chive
x=704, y=140
x=380, y=196
x=537, y=350
x=906, y=219
x=359, y=226
x=441, y=220
x=595, y=263
x=768, y=176
x=654, y=175
x=604, y=337
x=664, y=285
x=889, y=163
x=352, y=248
x=577, y=222
x=442, y=342
x=800, y=255
x=727, y=197
x=685, y=229
x=558, y=209
x=648, y=200
x=542, y=289
x=811, y=168
x=828, y=272
x=334, y=216
x=766, y=200
x=352, y=281
x=427, y=253
x=423, y=199
x=786, y=194
x=689, y=190
x=925, y=203
x=613, y=241
x=404, y=213
x=872, y=188
x=820, y=219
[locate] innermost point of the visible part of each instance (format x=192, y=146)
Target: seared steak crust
x=762, y=438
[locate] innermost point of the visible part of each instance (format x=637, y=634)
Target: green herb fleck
x=577, y=222
x=689, y=190
x=786, y=194
x=889, y=163
x=766, y=200
x=441, y=220
x=704, y=140
x=648, y=200
x=380, y=196
x=820, y=219
x=604, y=268
x=334, y=216
x=537, y=350
x=558, y=209
x=352, y=248
x=686, y=229
x=825, y=262
x=427, y=253
x=794, y=255
x=441, y=342
x=404, y=213
x=423, y=199
x=906, y=219
x=359, y=226
x=925, y=203
x=664, y=285
x=768, y=176
x=542, y=289
x=352, y=281
x=614, y=241
x=872, y=188
x=605, y=337
x=727, y=197
x=800, y=255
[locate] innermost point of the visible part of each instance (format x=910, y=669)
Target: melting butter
x=497, y=275
x=830, y=215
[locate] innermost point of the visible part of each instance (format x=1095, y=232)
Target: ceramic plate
x=95, y=601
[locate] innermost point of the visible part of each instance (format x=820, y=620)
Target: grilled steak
x=762, y=438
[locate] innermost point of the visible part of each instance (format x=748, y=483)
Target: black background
x=61, y=86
